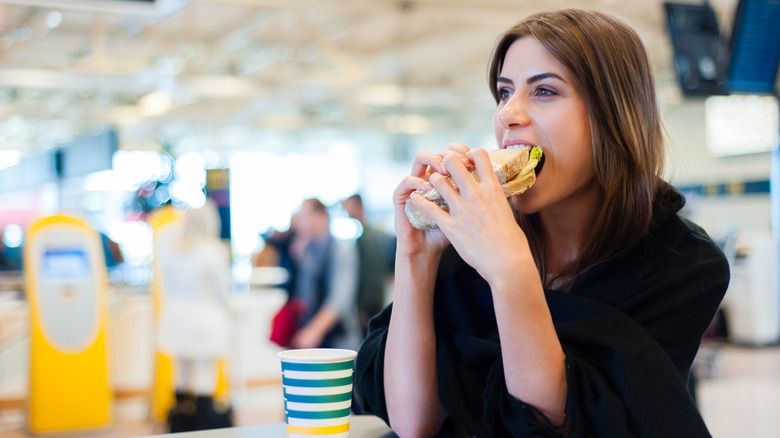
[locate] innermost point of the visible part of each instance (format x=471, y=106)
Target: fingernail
x=444, y=170
x=428, y=186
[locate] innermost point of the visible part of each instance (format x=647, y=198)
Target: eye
x=504, y=94
x=545, y=92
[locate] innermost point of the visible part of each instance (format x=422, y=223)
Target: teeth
x=519, y=146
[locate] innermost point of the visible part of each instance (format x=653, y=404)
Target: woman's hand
x=411, y=241
x=410, y=377
x=480, y=224
x=482, y=228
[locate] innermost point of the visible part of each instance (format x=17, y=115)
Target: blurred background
x=112, y=109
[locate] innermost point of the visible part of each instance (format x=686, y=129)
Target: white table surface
x=360, y=426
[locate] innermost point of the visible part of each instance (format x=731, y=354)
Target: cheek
x=582, y=155
x=573, y=166
x=570, y=172
x=497, y=129
x=575, y=152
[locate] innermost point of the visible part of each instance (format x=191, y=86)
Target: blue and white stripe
x=317, y=392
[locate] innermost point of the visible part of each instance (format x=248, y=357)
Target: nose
x=513, y=114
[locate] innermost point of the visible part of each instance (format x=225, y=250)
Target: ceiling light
x=382, y=95
x=53, y=19
x=21, y=34
x=220, y=86
x=155, y=103
x=308, y=52
x=408, y=124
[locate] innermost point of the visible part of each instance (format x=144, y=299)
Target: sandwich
x=516, y=171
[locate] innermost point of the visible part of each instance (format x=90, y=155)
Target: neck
x=566, y=230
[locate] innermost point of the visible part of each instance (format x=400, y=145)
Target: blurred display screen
x=755, y=47
x=741, y=124
x=88, y=154
x=699, y=54
x=65, y=264
x=30, y=173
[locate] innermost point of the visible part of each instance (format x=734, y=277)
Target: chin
x=524, y=204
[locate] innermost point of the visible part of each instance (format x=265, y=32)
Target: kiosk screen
x=63, y=264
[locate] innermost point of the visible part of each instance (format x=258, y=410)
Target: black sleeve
x=369, y=390
x=620, y=380
x=369, y=386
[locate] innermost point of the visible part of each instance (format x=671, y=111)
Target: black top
x=630, y=328
x=372, y=272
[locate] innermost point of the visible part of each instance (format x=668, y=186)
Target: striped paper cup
x=317, y=391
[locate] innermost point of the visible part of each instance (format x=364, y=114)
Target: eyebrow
x=533, y=78
x=541, y=76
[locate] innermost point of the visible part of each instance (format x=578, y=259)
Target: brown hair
x=616, y=81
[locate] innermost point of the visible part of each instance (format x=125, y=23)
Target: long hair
x=616, y=81
x=200, y=225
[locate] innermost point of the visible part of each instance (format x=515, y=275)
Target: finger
x=428, y=208
x=460, y=173
x=408, y=185
x=424, y=160
x=483, y=165
x=459, y=147
x=444, y=153
x=447, y=190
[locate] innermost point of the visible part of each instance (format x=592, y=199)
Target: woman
x=581, y=313
x=195, y=320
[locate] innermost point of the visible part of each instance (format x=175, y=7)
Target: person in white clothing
x=195, y=321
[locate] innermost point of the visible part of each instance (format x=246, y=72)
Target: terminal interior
x=111, y=110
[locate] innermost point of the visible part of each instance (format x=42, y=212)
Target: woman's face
x=540, y=105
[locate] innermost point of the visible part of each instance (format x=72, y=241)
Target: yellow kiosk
x=70, y=387
x=164, y=228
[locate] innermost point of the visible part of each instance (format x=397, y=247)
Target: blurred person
x=111, y=251
x=373, y=267
x=195, y=321
x=326, y=281
x=5, y=263
x=576, y=308
x=11, y=258
x=276, y=253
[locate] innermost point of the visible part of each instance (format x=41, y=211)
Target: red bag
x=286, y=322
